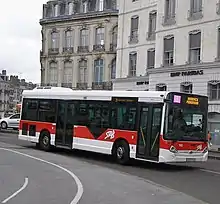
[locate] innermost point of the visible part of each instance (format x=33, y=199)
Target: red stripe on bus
x=39, y=126
x=110, y=135
x=182, y=145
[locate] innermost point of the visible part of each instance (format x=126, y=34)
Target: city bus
x=156, y=126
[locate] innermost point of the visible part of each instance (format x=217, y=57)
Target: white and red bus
x=153, y=126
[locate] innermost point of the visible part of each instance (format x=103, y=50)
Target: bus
x=156, y=126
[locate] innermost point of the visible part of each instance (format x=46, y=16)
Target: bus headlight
x=173, y=149
x=205, y=150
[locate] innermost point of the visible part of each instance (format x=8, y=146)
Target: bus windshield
x=185, y=122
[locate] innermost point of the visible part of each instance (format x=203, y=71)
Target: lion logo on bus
x=110, y=135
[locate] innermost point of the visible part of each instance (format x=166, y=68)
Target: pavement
x=103, y=181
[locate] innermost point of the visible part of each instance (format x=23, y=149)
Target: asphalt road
x=103, y=181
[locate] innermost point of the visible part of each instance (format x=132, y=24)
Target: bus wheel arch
x=44, y=140
x=121, y=151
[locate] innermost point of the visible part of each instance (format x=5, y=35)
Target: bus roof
x=69, y=94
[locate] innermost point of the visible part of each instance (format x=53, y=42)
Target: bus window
x=98, y=118
x=123, y=117
x=47, y=110
x=29, y=109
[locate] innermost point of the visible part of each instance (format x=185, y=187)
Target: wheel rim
x=45, y=140
x=120, y=152
x=4, y=125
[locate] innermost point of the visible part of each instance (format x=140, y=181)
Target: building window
x=168, y=50
x=152, y=25
x=113, y=69
x=83, y=76
x=100, y=4
x=150, y=58
x=53, y=74
x=134, y=29
x=98, y=70
x=99, y=36
x=132, y=64
x=186, y=87
x=161, y=87
x=195, y=11
x=218, y=45
x=67, y=74
x=85, y=7
x=55, y=40
x=68, y=39
x=62, y=9
x=84, y=37
x=214, y=90
x=49, y=11
x=113, y=45
x=170, y=12
x=194, y=47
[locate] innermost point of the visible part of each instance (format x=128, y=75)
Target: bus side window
x=29, y=109
x=47, y=110
x=124, y=117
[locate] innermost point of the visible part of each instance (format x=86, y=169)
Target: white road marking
x=76, y=179
x=210, y=171
x=17, y=192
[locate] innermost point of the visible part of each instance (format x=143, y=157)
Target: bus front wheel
x=121, y=152
x=44, y=142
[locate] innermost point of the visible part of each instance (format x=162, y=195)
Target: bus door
x=64, y=125
x=149, y=131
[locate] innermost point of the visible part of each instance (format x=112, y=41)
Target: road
x=103, y=181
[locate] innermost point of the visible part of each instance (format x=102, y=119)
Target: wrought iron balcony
x=67, y=85
x=195, y=15
x=102, y=85
x=169, y=19
x=68, y=50
x=99, y=48
x=113, y=47
x=133, y=38
x=82, y=86
x=53, y=51
x=83, y=49
x=151, y=36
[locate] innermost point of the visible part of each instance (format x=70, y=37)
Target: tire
x=4, y=125
x=44, y=142
x=121, y=152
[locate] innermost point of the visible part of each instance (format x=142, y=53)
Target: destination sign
x=192, y=101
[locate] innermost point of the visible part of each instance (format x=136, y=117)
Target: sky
x=20, y=38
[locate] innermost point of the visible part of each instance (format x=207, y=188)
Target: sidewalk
x=214, y=152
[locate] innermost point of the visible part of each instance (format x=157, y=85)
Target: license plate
x=190, y=159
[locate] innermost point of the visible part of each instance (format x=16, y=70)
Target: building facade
x=79, y=40
x=171, y=45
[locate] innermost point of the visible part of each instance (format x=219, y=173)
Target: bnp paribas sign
x=187, y=73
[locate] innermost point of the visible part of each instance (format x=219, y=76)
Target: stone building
x=79, y=40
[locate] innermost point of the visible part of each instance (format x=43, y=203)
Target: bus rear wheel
x=121, y=152
x=44, y=142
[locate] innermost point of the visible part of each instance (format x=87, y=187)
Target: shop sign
x=187, y=73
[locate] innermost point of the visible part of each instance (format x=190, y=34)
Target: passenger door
x=64, y=124
x=149, y=131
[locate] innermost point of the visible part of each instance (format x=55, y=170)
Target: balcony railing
x=133, y=38
x=83, y=49
x=113, y=47
x=99, y=48
x=169, y=19
x=102, y=85
x=53, y=51
x=82, y=86
x=67, y=85
x=68, y=50
x=194, y=15
x=151, y=36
